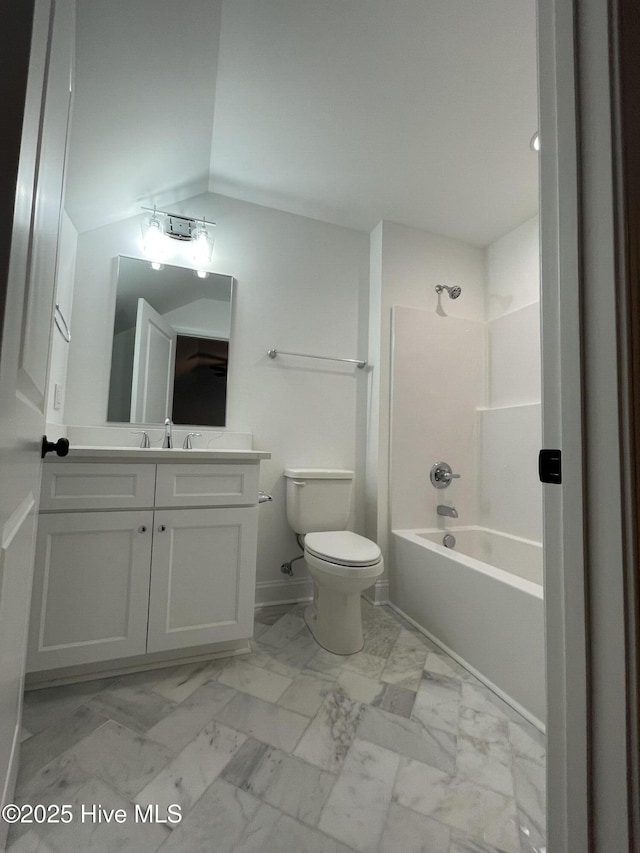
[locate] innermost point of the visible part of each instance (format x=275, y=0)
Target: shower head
x=453, y=292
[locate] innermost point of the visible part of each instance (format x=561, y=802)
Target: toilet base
x=335, y=621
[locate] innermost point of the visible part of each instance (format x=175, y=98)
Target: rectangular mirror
x=170, y=345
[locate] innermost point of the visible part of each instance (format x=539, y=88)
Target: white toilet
x=341, y=563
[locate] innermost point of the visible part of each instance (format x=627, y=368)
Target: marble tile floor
x=396, y=749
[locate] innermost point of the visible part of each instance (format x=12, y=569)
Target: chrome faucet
x=449, y=511
x=168, y=440
x=187, y=443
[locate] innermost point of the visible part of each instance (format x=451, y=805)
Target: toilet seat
x=342, y=549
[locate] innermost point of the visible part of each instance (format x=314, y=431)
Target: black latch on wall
x=550, y=466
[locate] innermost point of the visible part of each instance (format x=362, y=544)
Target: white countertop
x=157, y=454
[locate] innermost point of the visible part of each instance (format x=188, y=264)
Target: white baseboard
x=377, y=594
x=494, y=688
x=288, y=591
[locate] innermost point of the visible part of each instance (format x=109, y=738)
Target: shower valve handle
x=441, y=475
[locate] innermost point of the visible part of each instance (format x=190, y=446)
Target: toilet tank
x=318, y=498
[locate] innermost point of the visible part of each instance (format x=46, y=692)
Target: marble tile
x=365, y=664
x=484, y=763
x=185, y=680
x=274, y=725
x=145, y=679
x=92, y=836
x=215, y=823
x=404, y=666
x=258, y=629
x=44, y=708
x=240, y=769
x=283, y=631
x=327, y=664
x=30, y=843
x=270, y=831
x=254, y=680
x=484, y=727
x=412, y=638
x=189, y=774
x=478, y=812
x=441, y=665
x=121, y=758
x=180, y=727
x=479, y=697
x=359, y=687
x=53, y=783
x=463, y=844
x=409, y=832
x=269, y=615
x=291, y=785
x=288, y=661
x=51, y=742
x=527, y=741
x=305, y=694
x=357, y=807
x=408, y=738
x=396, y=700
x=329, y=736
x=380, y=638
x=378, y=614
x=437, y=702
x=530, y=787
x=134, y=707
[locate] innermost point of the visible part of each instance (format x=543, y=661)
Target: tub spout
x=449, y=511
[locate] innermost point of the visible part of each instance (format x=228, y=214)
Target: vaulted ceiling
x=350, y=111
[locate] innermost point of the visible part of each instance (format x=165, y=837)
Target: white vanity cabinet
x=141, y=558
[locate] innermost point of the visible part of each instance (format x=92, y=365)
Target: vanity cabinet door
x=91, y=588
x=202, y=576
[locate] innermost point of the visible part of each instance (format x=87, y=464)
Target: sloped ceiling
x=351, y=111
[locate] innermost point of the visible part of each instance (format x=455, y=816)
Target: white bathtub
x=481, y=601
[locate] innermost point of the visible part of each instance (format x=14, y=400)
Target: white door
x=203, y=573
x=91, y=587
x=24, y=350
x=154, y=356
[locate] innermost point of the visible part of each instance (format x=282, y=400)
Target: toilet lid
x=342, y=547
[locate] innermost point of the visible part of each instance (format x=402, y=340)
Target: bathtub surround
x=451, y=770
x=511, y=425
x=444, y=358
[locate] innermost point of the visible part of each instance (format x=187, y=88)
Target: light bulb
x=535, y=142
x=202, y=245
x=202, y=274
x=152, y=237
x=156, y=266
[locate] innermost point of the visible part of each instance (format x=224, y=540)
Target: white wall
x=300, y=285
x=510, y=427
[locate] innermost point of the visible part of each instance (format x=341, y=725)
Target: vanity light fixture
x=156, y=266
x=534, y=144
x=162, y=224
x=202, y=273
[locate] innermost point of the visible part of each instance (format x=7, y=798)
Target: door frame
x=590, y=539
x=15, y=48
